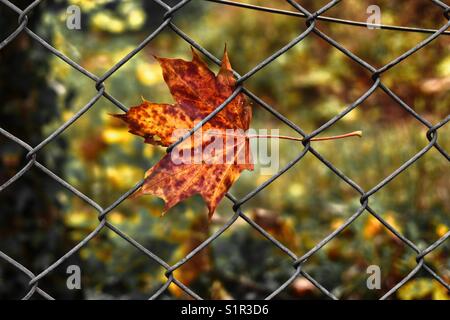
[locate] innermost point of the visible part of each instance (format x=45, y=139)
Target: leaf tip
x=195, y=55
x=117, y=115
x=211, y=209
x=226, y=65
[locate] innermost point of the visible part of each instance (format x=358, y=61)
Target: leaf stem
x=341, y=136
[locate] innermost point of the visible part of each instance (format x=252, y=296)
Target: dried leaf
x=197, y=92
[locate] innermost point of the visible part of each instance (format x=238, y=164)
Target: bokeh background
x=312, y=82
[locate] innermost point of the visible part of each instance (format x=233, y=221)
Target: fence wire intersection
x=297, y=261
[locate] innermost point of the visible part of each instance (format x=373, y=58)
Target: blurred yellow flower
x=76, y=218
x=136, y=19
x=118, y=55
x=444, y=67
x=371, y=228
x=116, y=135
x=296, y=190
x=105, y=22
x=148, y=151
x=390, y=218
x=123, y=176
x=336, y=223
x=352, y=116
x=116, y=217
x=315, y=78
x=441, y=230
x=148, y=73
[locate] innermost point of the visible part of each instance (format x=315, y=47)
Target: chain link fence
x=298, y=262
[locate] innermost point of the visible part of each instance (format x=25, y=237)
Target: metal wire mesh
x=297, y=261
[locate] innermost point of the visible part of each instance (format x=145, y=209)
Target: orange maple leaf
x=197, y=92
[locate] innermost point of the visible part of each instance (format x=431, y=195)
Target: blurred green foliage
x=309, y=84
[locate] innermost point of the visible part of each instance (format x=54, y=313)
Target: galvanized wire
x=298, y=262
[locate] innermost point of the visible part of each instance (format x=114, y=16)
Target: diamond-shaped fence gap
x=85, y=161
x=182, y=232
x=344, y=264
x=424, y=94
x=141, y=220
x=264, y=119
x=195, y=272
x=142, y=74
x=244, y=251
x=104, y=161
x=319, y=91
x=140, y=275
x=423, y=203
x=308, y=210
x=154, y=207
x=50, y=210
x=100, y=22
x=190, y=252
x=73, y=90
x=39, y=107
x=144, y=79
x=223, y=31
x=378, y=111
x=428, y=88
